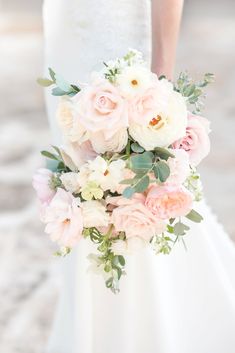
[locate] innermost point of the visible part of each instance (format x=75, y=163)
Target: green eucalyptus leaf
x=161, y=171
x=109, y=282
x=121, y=260
x=49, y=155
x=180, y=228
x=128, y=181
x=142, y=162
x=62, y=84
x=44, y=82
x=142, y=184
x=137, y=148
x=194, y=216
x=163, y=153
x=58, y=92
x=128, y=192
x=52, y=74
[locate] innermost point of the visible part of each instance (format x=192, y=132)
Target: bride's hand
x=166, y=16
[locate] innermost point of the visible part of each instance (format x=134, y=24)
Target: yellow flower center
x=157, y=122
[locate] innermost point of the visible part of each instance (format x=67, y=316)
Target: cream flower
x=134, y=80
x=75, y=155
x=114, y=144
x=67, y=119
x=94, y=214
x=107, y=175
x=165, y=127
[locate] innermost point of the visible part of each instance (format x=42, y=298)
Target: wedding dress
x=181, y=303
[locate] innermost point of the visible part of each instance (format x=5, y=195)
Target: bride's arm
x=166, y=16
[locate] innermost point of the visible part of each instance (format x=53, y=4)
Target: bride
x=182, y=303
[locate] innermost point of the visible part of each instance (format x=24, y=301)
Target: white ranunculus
x=134, y=80
x=119, y=247
x=114, y=144
x=107, y=175
x=71, y=182
x=94, y=214
x=168, y=125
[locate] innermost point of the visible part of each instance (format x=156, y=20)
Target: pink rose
x=63, y=218
x=41, y=183
x=179, y=167
x=196, y=142
x=133, y=218
x=169, y=202
x=100, y=107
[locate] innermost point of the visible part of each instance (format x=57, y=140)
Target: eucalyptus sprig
x=112, y=264
x=62, y=87
x=193, y=91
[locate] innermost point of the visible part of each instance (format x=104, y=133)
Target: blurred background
x=27, y=283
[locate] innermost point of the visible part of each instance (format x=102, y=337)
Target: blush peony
x=169, y=202
x=165, y=126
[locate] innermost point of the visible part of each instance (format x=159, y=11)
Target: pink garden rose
x=63, y=218
x=100, y=107
x=179, y=167
x=133, y=218
x=41, y=183
x=169, y=202
x=196, y=141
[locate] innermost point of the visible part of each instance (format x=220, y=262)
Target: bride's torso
x=91, y=31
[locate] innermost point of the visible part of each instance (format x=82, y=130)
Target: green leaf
x=49, y=155
x=76, y=88
x=161, y=171
x=44, y=82
x=180, y=228
x=58, y=92
x=109, y=282
x=188, y=90
x=52, y=74
x=137, y=148
x=170, y=229
x=142, y=184
x=128, y=181
x=62, y=84
x=163, y=153
x=121, y=260
x=128, y=192
x=142, y=162
x=161, y=77
x=194, y=216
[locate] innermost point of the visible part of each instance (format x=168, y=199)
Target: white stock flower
x=107, y=175
x=94, y=214
x=71, y=182
x=168, y=125
x=134, y=80
x=114, y=144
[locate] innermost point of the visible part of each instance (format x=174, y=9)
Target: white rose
x=114, y=144
x=71, y=182
x=94, y=214
x=168, y=125
x=67, y=119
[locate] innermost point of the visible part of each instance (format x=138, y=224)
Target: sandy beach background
x=28, y=284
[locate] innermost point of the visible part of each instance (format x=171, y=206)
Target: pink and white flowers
x=125, y=176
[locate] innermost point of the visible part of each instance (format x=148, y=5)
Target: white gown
x=181, y=303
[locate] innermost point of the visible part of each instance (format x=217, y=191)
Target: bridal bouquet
x=125, y=177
